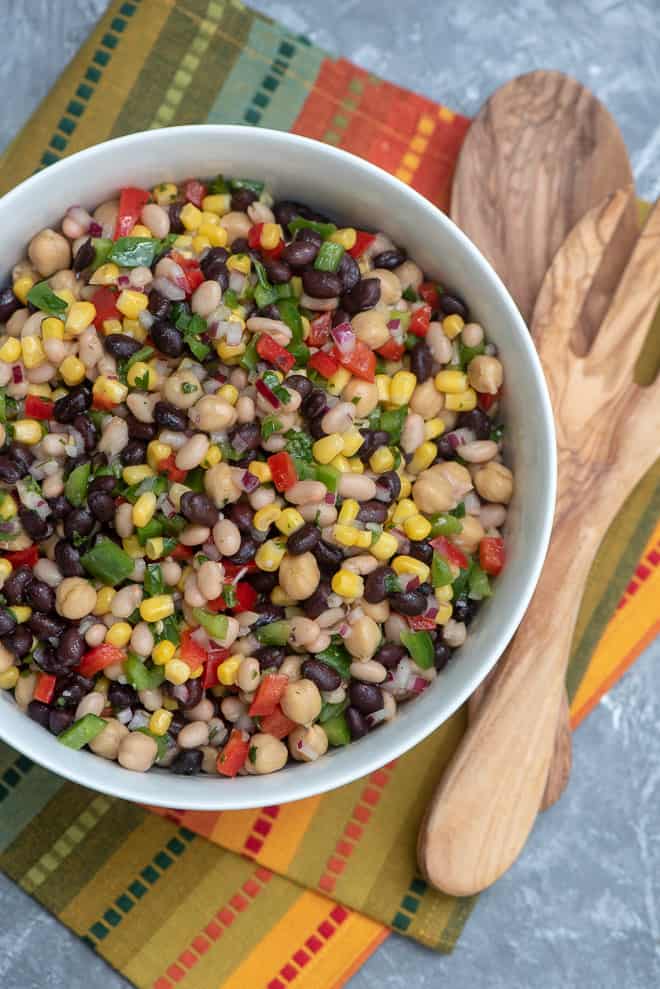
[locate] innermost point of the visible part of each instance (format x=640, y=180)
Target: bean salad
x=252, y=489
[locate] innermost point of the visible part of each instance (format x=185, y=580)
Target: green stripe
x=27, y=789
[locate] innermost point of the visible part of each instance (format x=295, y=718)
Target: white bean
x=114, y=437
x=245, y=410
x=203, y=711
x=151, y=700
x=142, y=640
x=357, y=486
x=226, y=537
x=47, y=571
x=195, y=535
x=90, y=348
x=454, y=633
x=171, y=572
x=192, y=735
x=369, y=671
x=249, y=674
x=95, y=635
x=157, y=219
x=412, y=434
x=126, y=601
x=209, y=579
x=193, y=452
x=124, y=520
x=206, y=298
x=477, y=452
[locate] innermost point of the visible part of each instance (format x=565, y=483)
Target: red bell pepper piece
x=168, y=466
x=450, y=552
x=214, y=659
x=234, y=754
x=99, y=657
x=419, y=321
x=272, y=253
x=194, y=191
x=181, y=552
x=277, y=724
x=430, y=294
x=23, y=557
x=270, y=350
x=362, y=242
x=254, y=235
x=235, y=570
x=268, y=695
x=319, y=330
x=392, y=351
x=486, y=401
x=283, y=470
x=45, y=688
x=190, y=651
x=324, y=364
x=38, y=408
x=191, y=271
x=361, y=361
x=421, y=622
x=492, y=555
x=104, y=300
x=131, y=201
x=246, y=597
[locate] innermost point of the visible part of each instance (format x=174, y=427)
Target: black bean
x=174, y=213
x=167, y=338
x=246, y=436
x=71, y=689
x=176, y=724
x=315, y=404
x=19, y=642
x=122, y=695
x=78, y=400
x=390, y=655
x=464, y=609
x=421, y=361
x=316, y=429
x=269, y=312
x=217, y=272
x=121, y=346
x=104, y=482
x=167, y=416
x=357, y=723
x=188, y=762
x=321, y=284
x=16, y=585
x=269, y=657
x=299, y=253
x=263, y=581
x=67, y=558
x=408, y=602
x=446, y=449
x=373, y=438
x=304, y=539
x=241, y=246
x=388, y=486
x=194, y=693
x=241, y=515
x=158, y=305
x=216, y=255
x=101, y=505
x=135, y=452
x=46, y=626
x=84, y=425
x=241, y=199
x=71, y=648
x=317, y=603
x=37, y=528
x=199, y=509
x=40, y=596
x=372, y=511
x=477, y=421
x=8, y=304
x=300, y=384
x=364, y=295
x=39, y=712
x=366, y=697
x=375, y=585
x=329, y=558
x=349, y=272
x=59, y=720
x=59, y=507
x=324, y=676
x=7, y=622
x=21, y=455
x=309, y=236
x=48, y=661
x=84, y=256
x=278, y=271
x=267, y=613
x=421, y=550
x=390, y=259
x=441, y=654
x=10, y=472
x=80, y=521
x=245, y=552
x=452, y=305
x=140, y=430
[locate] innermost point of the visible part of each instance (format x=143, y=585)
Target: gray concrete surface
x=582, y=906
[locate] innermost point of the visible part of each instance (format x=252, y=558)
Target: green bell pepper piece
x=338, y=658
x=274, y=634
x=215, y=625
x=420, y=647
x=392, y=420
x=328, y=475
x=108, y=563
x=336, y=729
x=325, y=229
x=441, y=574
x=329, y=711
x=160, y=740
x=75, y=488
x=153, y=580
x=82, y=732
x=102, y=247
x=444, y=525
x=139, y=675
x=290, y=315
x=478, y=583
x=329, y=257
x=151, y=530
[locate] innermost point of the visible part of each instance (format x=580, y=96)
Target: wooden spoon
x=539, y=154
x=487, y=802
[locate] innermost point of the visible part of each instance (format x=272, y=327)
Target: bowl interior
x=360, y=194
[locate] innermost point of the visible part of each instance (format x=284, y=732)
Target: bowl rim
x=152, y=788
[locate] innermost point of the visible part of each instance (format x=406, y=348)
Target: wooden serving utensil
x=540, y=153
x=487, y=801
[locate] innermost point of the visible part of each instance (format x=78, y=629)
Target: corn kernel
x=52, y=328
x=383, y=384
x=213, y=456
x=433, y=428
x=271, y=235
x=402, y=387
x=113, y=326
x=406, y=485
x=28, y=431
x=452, y=326
x=328, y=448
x=42, y=391
x=160, y=721
x=347, y=584
x=261, y=470
x=177, y=672
x=423, y=457
x=157, y=451
x=463, y=402
x=356, y=465
x=451, y=382
x=72, y=370
x=444, y=594
x=264, y=518
x=338, y=381
x=21, y=287
x=239, y=262
x=306, y=325
x=289, y=521
x=183, y=244
x=143, y=509
x=200, y=243
x=170, y=704
x=385, y=546
x=104, y=598
x=154, y=548
x=191, y=216
x=163, y=652
x=119, y=634
x=229, y=393
x=80, y=316
x=5, y=569
x=408, y=564
x=141, y=375
x=8, y=507
x=140, y=472
x=345, y=236
x=105, y=274
x=269, y=555
x=381, y=460
x=417, y=527
x=280, y=598
x=345, y=535
x=10, y=351
x=228, y=353
x=132, y=546
x=177, y=492
x=352, y=440
x=216, y=234
x=108, y=391
x=165, y=193
x=218, y=204
x=131, y=304
x=228, y=671
x=348, y=511
x=364, y=538
x=9, y=678
x=66, y=296
x=405, y=509
x=21, y=612
x=156, y=608
x=341, y=464
x=445, y=612
x=33, y=352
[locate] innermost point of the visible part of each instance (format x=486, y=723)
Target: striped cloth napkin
x=304, y=892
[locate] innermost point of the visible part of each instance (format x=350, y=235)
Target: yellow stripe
x=233, y=827
x=288, y=831
x=418, y=143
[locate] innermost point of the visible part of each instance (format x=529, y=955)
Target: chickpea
x=236, y=224
x=472, y=334
x=206, y=298
x=239, y=378
x=125, y=601
x=24, y=689
x=232, y=709
x=471, y=534
x=106, y=215
x=226, y=537
x=439, y=343
x=441, y=487
x=220, y=484
x=65, y=279
x=494, y=482
x=304, y=632
x=266, y=754
x=249, y=674
x=362, y=638
x=137, y=752
x=142, y=641
x=485, y=374
x=213, y=414
x=313, y=740
x=426, y=400
x=49, y=252
x=291, y=667
x=192, y=452
x=209, y=579
x=299, y=576
x=74, y=598
x=409, y=275
x=106, y=744
x=371, y=327
x=182, y=389
x=193, y=735
x=204, y=711
x=493, y=516
x=363, y=395
x=151, y=700
x=157, y=219
x=301, y=701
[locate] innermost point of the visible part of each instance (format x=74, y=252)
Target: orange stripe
x=361, y=958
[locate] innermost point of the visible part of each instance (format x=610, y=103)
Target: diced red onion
x=33, y=500
x=400, y=678
x=166, y=506
x=307, y=751
x=17, y=373
x=249, y=481
x=169, y=290
x=123, y=281
x=234, y=333
x=124, y=716
x=412, y=584
x=139, y=720
x=344, y=336
x=472, y=503
x=95, y=229
x=180, y=691
x=80, y=216
x=237, y=281
x=266, y=393
x=8, y=527
x=394, y=324
x=330, y=498
x=376, y=717
x=146, y=319
x=344, y=630
x=417, y=684
x=210, y=385
x=459, y=437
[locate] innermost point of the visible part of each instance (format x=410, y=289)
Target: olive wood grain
x=542, y=152
x=487, y=801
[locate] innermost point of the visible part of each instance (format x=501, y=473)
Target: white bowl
x=364, y=196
